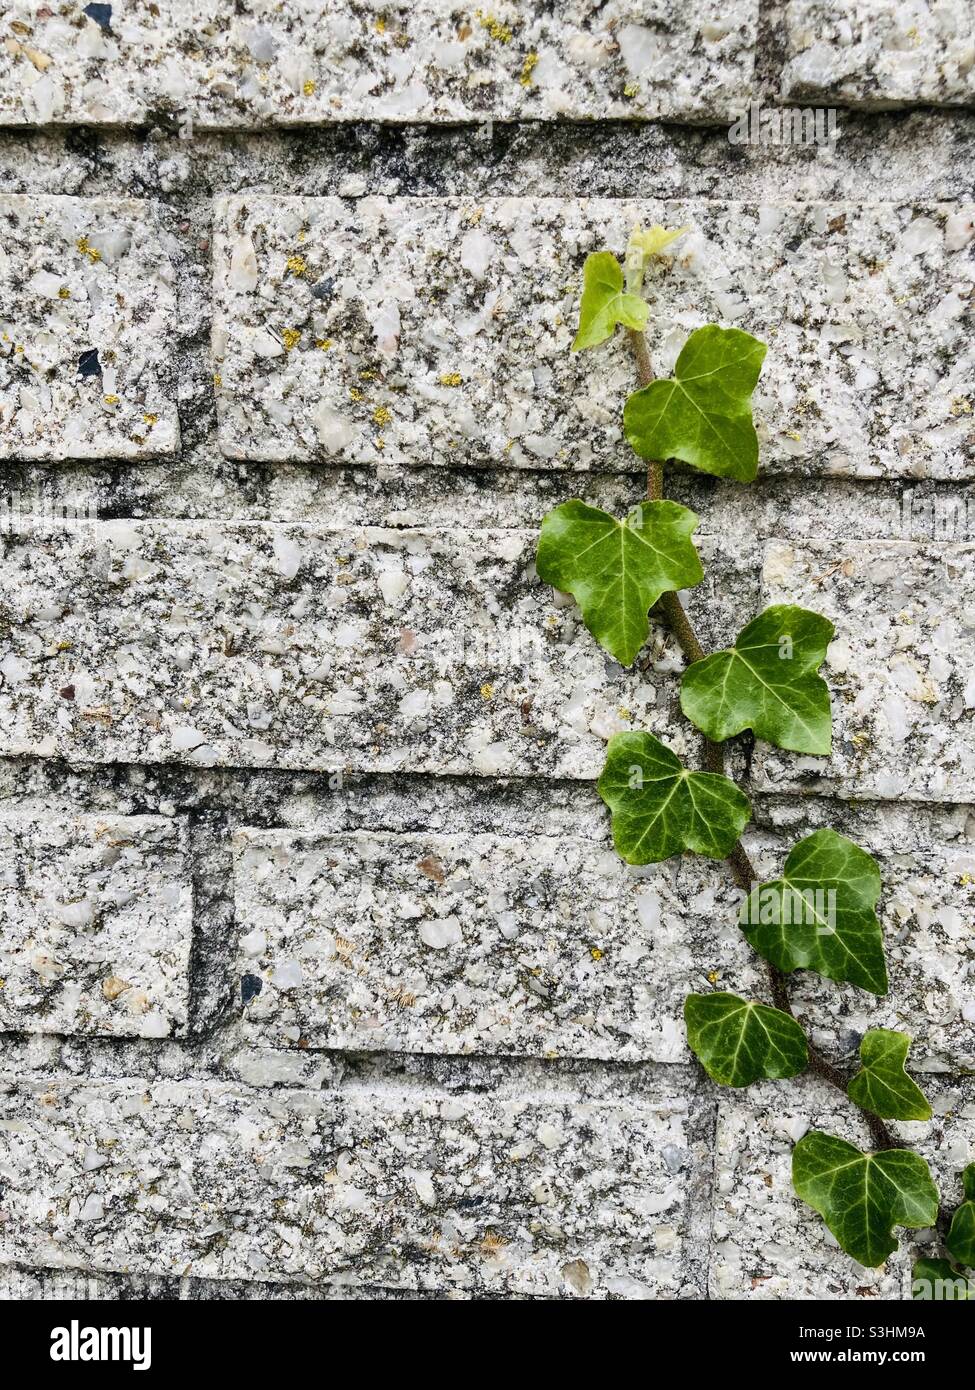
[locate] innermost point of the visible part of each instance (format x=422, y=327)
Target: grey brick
x=87, y=322
x=290, y=646
x=458, y=943
x=770, y=1245
x=338, y=60
x=900, y=667
x=880, y=53
x=96, y=921
x=396, y=1184
x=437, y=331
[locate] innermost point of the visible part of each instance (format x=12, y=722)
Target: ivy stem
x=743, y=871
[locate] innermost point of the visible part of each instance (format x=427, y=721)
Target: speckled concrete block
x=302, y=62
x=96, y=921
x=770, y=1245
x=437, y=331
x=87, y=322
x=552, y=946
x=900, y=667
x=290, y=646
x=460, y=944
x=927, y=865
x=571, y=1192
x=880, y=53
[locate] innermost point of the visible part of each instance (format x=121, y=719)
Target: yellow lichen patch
x=492, y=1244
x=217, y=379
x=961, y=405
x=308, y=88
x=367, y=374
x=382, y=415
x=64, y=292
x=527, y=68
x=487, y=691
x=631, y=90
x=498, y=30
x=149, y=419
x=111, y=400
x=355, y=393
x=712, y=977
x=596, y=953
x=290, y=337
x=84, y=249
x=451, y=379
x=296, y=265
x=380, y=26
x=324, y=343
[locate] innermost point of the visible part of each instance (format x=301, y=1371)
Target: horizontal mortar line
x=555, y=1074
x=353, y=780
x=343, y=131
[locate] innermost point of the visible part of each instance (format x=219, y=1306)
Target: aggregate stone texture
x=543, y=947
x=767, y=1244
x=438, y=331
x=880, y=53
x=299, y=647
x=900, y=667
x=289, y=726
x=400, y=1185
x=95, y=925
x=88, y=319
x=305, y=62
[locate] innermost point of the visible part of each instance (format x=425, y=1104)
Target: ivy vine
x=820, y=914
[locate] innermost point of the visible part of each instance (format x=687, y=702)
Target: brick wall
x=320, y=978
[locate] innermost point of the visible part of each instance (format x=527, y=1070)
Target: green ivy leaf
x=961, y=1237
x=766, y=682
x=938, y=1281
x=660, y=809
x=738, y=1042
x=703, y=414
x=605, y=303
x=616, y=570
x=820, y=914
x=883, y=1085
x=861, y=1197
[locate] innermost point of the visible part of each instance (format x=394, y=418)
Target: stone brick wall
x=320, y=978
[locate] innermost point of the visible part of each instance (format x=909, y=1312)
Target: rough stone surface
x=396, y=1184
x=174, y=629
x=87, y=319
x=880, y=53
x=900, y=667
x=438, y=331
x=450, y=943
x=95, y=925
x=766, y=1242
x=309, y=61
x=305, y=648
